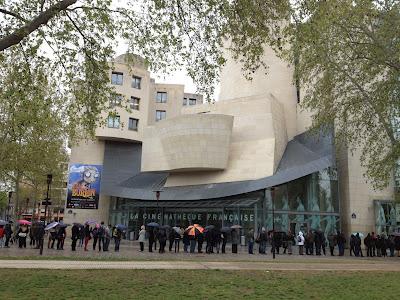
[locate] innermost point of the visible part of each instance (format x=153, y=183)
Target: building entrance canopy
x=304, y=155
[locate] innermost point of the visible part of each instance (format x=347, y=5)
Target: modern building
x=246, y=159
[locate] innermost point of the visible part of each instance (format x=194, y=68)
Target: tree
x=345, y=52
x=32, y=129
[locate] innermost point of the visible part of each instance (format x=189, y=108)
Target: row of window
x=189, y=101
x=117, y=78
x=114, y=122
x=133, y=102
x=133, y=124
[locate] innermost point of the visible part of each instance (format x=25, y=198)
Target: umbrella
x=236, y=227
x=226, y=229
x=90, y=222
x=194, y=230
x=209, y=227
x=121, y=227
x=24, y=222
x=63, y=225
x=51, y=225
x=153, y=224
x=165, y=227
x=2, y=222
x=78, y=224
x=177, y=229
x=360, y=233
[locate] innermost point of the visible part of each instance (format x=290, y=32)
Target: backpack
x=100, y=231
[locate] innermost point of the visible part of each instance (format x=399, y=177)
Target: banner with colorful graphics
x=84, y=186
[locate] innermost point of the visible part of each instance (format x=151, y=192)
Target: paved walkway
x=196, y=265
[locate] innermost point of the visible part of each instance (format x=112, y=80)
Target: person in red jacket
x=1, y=235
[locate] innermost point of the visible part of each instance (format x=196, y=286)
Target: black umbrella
x=153, y=224
x=226, y=229
x=209, y=227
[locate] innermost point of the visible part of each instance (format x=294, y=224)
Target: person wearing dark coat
x=61, y=234
x=200, y=240
x=353, y=245
x=397, y=245
x=358, y=245
x=373, y=243
x=391, y=245
x=379, y=244
x=341, y=241
x=171, y=239
x=74, y=236
x=224, y=238
x=177, y=239
x=318, y=239
x=235, y=240
x=367, y=243
x=23, y=232
x=209, y=241
x=39, y=236
x=185, y=241
x=8, y=233
x=162, y=239
x=117, y=240
x=216, y=239
x=151, y=239
x=383, y=245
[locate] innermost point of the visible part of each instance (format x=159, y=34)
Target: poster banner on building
x=84, y=186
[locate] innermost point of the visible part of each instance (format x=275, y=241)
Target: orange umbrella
x=194, y=230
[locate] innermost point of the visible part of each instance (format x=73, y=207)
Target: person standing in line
x=289, y=242
x=171, y=238
x=373, y=243
x=8, y=233
x=192, y=239
x=2, y=234
x=367, y=243
x=107, y=237
x=186, y=242
x=250, y=240
x=22, y=234
x=341, y=240
x=200, y=240
x=87, y=234
x=263, y=241
x=52, y=238
x=151, y=239
x=95, y=237
x=358, y=245
x=81, y=236
x=61, y=234
x=332, y=243
x=142, y=237
x=300, y=242
x=235, y=240
x=216, y=239
x=100, y=234
x=353, y=245
x=162, y=239
x=177, y=239
x=74, y=236
x=383, y=245
x=117, y=239
x=224, y=239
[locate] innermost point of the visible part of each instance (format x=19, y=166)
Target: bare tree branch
x=13, y=14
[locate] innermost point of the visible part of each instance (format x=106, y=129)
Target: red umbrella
x=194, y=230
x=24, y=222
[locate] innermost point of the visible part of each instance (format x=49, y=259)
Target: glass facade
x=310, y=202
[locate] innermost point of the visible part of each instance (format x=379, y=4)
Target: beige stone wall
x=188, y=142
x=257, y=144
x=357, y=195
x=172, y=106
x=89, y=152
x=278, y=82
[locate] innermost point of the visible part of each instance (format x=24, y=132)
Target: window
x=160, y=115
x=117, y=78
x=115, y=100
x=184, y=101
x=161, y=97
x=133, y=124
x=136, y=81
x=113, y=122
x=192, y=101
x=134, y=103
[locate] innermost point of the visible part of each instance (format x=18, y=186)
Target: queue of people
x=196, y=239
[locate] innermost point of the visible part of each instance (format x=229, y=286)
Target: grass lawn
x=195, y=284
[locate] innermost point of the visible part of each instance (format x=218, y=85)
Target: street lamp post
x=273, y=222
x=158, y=198
x=47, y=200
